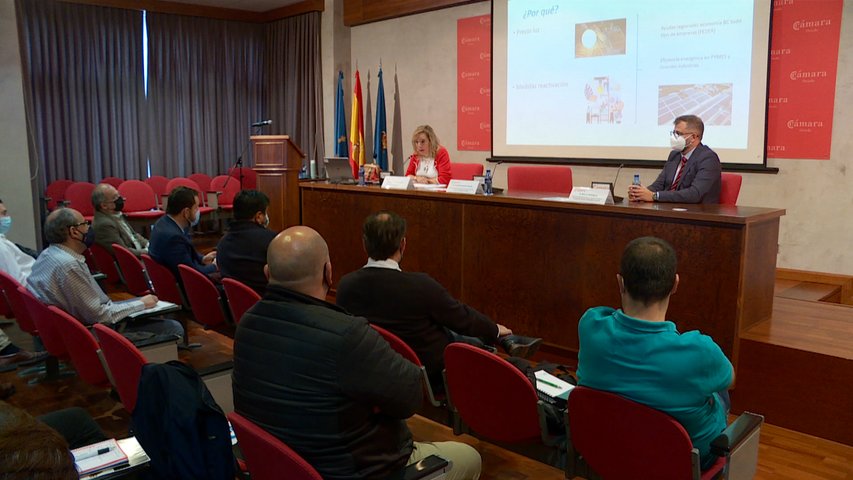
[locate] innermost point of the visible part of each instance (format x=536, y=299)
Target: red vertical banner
x=803, y=68
x=473, y=83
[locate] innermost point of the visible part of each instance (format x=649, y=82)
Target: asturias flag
x=356, y=136
x=341, y=146
x=380, y=137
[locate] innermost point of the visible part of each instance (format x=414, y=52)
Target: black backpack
x=180, y=426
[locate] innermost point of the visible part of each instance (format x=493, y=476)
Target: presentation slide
x=605, y=79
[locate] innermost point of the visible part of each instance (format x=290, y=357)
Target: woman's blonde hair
x=431, y=136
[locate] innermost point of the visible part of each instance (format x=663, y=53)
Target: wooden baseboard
x=843, y=281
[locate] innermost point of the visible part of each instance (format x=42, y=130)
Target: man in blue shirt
x=635, y=352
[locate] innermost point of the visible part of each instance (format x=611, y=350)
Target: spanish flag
x=356, y=136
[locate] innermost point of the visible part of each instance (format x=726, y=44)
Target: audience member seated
x=324, y=382
x=32, y=450
x=17, y=265
x=60, y=277
x=635, y=352
x=110, y=225
x=242, y=251
x=170, y=237
x=414, y=306
x=430, y=163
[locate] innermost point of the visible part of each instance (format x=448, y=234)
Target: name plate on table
x=392, y=182
x=466, y=187
x=591, y=196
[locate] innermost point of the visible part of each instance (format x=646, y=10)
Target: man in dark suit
x=170, y=243
x=413, y=305
x=242, y=251
x=110, y=224
x=691, y=174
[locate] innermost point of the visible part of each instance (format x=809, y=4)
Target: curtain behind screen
x=294, y=86
x=204, y=91
x=83, y=89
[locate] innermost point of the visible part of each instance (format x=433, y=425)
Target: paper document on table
x=552, y=386
x=98, y=456
x=161, y=307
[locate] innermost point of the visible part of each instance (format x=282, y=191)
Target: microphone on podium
x=616, y=199
x=262, y=123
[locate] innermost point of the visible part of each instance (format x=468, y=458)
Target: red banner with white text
x=473, y=83
x=803, y=67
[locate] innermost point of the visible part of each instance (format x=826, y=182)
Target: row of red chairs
x=146, y=276
x=143, y=198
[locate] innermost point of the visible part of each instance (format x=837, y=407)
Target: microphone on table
x=613, y=190
x=262, y=123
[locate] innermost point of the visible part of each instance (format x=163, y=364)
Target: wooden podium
x=278, y=162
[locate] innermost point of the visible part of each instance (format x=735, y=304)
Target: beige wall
x=15, y=184
x=817, y=232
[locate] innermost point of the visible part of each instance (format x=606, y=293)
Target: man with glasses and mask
x=170, y=243
x=242, y=251
x=110, y=225
x=691, y=174
x=61, y=277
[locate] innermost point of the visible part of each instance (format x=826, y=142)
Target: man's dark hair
x=693, y=123
x=249, y=202
x=57, y=224
x=382, y=233
x=648, y=269
x=179, y=199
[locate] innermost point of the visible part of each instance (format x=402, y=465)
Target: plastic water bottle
x=313, y=168
x=361, y=175
x=487, y=187
x=636, y=179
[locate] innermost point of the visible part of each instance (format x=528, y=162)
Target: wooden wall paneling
x=359, y=12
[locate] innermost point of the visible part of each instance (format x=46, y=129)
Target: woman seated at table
x=430, y=163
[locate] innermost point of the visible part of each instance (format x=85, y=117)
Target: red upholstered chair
x=621, y=439
x=186, y=182
x=125, y=362
x=201, y=293
x=105, y=263
x=158, y=183
x=493, y=397
x=406, y=352
x=5, y=308
x=465, y=171
x=240, y=297
x=222, y=192
x=140, y=201
x=10, y=288
x=250, y=178
x=114, y=181
x=267, y=457
x=132, y=271
x=164, y=283
x=79, y=197
x=82, y=348
x=42, y=317
x=202, y=179
x=55, y=192
x=550, y=179
x=730, y=188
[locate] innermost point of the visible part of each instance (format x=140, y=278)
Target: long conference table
x=536, y=265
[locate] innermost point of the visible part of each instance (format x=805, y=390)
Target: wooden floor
x=783, y=453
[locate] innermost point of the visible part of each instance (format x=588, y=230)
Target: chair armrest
x=736, y=433
x=432, y=466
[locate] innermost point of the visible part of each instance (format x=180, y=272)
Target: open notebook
x=551, y=389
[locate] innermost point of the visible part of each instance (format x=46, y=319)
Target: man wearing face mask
x=61, y=277
x=170, y=243
x=110, y=225
x=691, y=174
x=17, y=265
x=242, y=252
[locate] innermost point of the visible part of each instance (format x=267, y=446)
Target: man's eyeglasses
x=84, y=222
x=681, y=134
